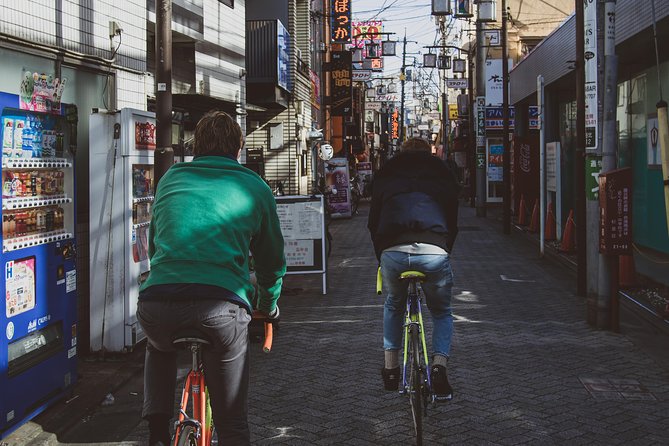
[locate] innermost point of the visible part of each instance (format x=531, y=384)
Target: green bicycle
x=416, y=380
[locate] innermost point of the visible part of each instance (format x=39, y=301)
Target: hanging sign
x=340, y=83
x=457, y=83
x=341, y=21
x=41, y=92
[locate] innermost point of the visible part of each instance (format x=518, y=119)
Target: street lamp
x=459, y=66
x=444, y=62
x=441, y=7
x=388, y=48
x=429, y=60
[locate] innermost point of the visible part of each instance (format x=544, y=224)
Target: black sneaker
x=391, y=378
x=442, y=389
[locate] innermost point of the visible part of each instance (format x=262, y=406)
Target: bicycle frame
x=195, y=387
x=414, y=317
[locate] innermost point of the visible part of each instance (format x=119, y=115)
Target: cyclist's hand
x=274, y=317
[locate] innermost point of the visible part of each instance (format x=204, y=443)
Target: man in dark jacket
x=413, y=224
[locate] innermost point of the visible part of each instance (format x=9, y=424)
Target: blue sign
x=283, y=56
x=533, y=112
x=494, y=118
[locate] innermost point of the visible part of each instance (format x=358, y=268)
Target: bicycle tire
x=187, y=436
x=416, y=385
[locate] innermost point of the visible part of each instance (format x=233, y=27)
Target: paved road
x=525, y=366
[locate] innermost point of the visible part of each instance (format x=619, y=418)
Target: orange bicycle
x=196, y=428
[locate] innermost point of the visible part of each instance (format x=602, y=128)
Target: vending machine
x=38, y=347
x=122, y=144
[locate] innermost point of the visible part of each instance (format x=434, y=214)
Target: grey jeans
x=225, y=361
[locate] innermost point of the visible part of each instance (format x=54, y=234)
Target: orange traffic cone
x=550, y=230
x=626, y=271
x=522, y=212
x=567, y=244
x=534, y=223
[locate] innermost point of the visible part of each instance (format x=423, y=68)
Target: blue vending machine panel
x=38, y=344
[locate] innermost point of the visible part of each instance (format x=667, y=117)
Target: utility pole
x=506, y=168
x=608, y=264
x=472, y=130
x=444, y=97
x=480, y=136
x=579, y=158
x=403, y=80
x=164, y=154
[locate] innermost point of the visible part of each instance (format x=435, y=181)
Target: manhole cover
x=616, y=389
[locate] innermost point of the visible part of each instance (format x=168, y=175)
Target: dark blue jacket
x=414, y=199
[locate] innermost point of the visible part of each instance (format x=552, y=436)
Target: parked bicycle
x=195, y=426
x=416, y=380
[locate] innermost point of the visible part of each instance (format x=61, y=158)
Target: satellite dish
x=325, y=152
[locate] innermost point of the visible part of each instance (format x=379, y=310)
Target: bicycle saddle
x=190, y=335
x=412, y=275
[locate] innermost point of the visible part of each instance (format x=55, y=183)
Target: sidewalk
x=525, y=366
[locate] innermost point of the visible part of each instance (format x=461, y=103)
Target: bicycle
x=197, y=429
x=416, y=381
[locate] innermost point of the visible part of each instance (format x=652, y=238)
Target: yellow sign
x=452, y=111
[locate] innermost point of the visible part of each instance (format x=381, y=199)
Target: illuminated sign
x=341, y=21
x=395, y=125
x=340, y=83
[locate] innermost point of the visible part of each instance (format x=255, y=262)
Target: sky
x=414, y=18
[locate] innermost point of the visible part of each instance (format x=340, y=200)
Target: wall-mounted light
x=444, y=62
x=429, y=60
x=441, y=7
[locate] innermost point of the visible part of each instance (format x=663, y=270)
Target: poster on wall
x=338, y=183
x=19, y=286
x=41, y=92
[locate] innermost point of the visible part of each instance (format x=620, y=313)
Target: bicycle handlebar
x=269, y=330
x=379, y=284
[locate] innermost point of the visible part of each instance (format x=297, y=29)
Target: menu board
x=302, y=222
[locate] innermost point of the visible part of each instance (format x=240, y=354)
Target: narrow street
x=525, y=366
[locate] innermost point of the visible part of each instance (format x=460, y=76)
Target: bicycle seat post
x=195, y=352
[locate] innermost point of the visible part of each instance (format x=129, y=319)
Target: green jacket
x=206, y=216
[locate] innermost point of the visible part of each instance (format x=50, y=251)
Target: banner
x=526, y=170
x=337, y=183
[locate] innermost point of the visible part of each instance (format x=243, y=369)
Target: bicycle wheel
x=187, y=436
x=416, y=384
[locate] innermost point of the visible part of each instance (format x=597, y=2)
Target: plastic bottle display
x=32, y=186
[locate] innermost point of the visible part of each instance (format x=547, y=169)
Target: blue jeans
x=437, y=289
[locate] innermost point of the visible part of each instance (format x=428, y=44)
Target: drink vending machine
x=38, y=345
x=122, y=144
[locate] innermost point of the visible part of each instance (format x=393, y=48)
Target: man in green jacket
x=207, y=215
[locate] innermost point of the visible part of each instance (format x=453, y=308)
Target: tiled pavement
x=525, y=366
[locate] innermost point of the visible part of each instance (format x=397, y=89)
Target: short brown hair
x=217, y=134
x=416, y=144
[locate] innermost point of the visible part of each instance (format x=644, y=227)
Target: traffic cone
x=522, y=212
x=567, y=244
x=550, y=230
x=534, y=223
x=626, y=271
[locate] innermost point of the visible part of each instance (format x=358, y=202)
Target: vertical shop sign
x=480, y=132
x=615, y=205
x=341, y=21
x=590, y=54
x=340, y=83
x=315, y=89
x=395, y=125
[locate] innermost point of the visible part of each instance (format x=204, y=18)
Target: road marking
x=341, y=321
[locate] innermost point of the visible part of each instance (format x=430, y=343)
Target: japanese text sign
x=615, y=212
x=341, y=21
x=340, y=83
